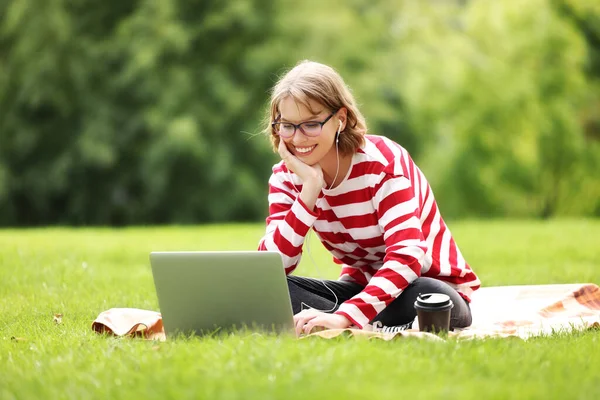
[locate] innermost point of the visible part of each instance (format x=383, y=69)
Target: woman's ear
x=342, y=118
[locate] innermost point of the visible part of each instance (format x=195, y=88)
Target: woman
x=369, y=204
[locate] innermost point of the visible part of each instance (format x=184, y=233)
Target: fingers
x=309, y=326
x=301, y=322
x=283, y=150
x=303, y=317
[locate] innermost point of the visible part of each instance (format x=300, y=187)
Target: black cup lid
x=433, y=300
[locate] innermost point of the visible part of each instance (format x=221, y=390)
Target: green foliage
x=148, y=111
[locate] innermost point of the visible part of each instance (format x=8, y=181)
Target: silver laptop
x=208, y=293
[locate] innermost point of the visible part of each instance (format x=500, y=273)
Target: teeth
x=304, y=149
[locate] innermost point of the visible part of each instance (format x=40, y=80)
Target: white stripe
x=434, y=229
x=355, y=313
x=270, y=245
x=407, y=243
x=367, y=232
x=386, y=285
x=272, y=226
x=401, y=269
x=354, y=209
x=290, y=235
x=348, y=247
x=289, y=177
x=303, y=215
x=373, y=152
x=328, y=227
x=372, y=300
x=445, y=268
x=277, y=181
x=290, y=261
x=426, y=263
x=279, y=198
x=390, y=186
x=279, y=215
x=346, y=278
x=336, y=227
x=414, y=172
x=358, y=183
x=397, y=211
x=412, y=251
x=424, y=186
x=398, y=157
x=427, y=207
x=412, y=222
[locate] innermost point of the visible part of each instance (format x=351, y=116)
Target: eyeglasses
x=310, y=128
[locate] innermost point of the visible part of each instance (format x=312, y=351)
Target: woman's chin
x=312, y=161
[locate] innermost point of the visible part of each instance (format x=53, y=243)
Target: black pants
x=312, y=293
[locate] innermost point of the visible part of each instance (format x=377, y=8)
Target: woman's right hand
x=311, y=175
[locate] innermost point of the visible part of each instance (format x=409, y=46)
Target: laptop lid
x=206, y=292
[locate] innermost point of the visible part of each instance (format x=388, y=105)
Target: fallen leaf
x=58, y=318
x=155, y=348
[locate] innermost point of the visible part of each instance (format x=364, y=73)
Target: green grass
x=81, y=272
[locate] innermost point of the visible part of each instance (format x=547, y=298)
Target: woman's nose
x=299, y=136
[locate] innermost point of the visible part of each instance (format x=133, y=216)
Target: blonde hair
x=310, y=80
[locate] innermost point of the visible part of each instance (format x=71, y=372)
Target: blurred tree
x=122, y=113
x=500, y=85
x=585, y=16
x=149, y=111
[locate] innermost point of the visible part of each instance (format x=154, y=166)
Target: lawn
x=81, y=272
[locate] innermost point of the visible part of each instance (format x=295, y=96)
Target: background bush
x=150, y=111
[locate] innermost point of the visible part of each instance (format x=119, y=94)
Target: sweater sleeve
x=405, y=248
x=288, y=222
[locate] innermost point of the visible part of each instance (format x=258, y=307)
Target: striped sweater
x=381, y=224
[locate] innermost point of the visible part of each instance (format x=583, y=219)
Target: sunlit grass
x=81, y=272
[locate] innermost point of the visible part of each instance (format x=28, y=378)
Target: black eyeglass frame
x=299, y=126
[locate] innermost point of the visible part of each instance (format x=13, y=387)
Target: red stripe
x=284, y=245
x=379, y=293
x=394, y=199
x=276, y=208
x=369, y=270
x=341, y=238
x=367, y=309
x=355, y=274
x=370, y=242
x=358, y=221
x=453, y=256
x=404, y=234
x=366, y=168
x=290, y=269
x=349, y=198
x=398, y=221
x=427, y=223
x=384, y=149
x=418, y=175
x=275, y=189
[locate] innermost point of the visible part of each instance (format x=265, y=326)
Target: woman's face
x=309, y=149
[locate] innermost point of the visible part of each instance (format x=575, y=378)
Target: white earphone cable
x=303, y=305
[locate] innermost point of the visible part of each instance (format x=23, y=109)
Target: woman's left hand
x=307, y=320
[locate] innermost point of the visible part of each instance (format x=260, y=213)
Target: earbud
x=337, y=137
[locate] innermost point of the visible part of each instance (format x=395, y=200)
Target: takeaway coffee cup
x=433, y=310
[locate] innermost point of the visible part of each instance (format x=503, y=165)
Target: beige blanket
x=521, y=311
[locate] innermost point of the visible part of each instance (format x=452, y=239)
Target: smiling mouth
x=304, y=151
